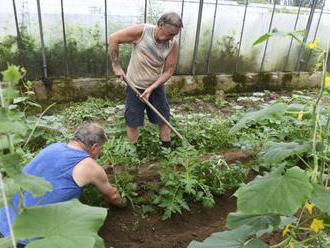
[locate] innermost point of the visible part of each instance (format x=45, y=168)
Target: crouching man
x=68, y=167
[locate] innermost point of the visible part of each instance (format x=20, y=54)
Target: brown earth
x=124, y=228
x=128, y=228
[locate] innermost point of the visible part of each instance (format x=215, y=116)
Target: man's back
x=55, y=164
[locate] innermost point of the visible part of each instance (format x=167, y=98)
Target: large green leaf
x=280, y=192
x=234, y=239
x=256, y=243
x=61, y=242
x=11, y=122
x=321, y=198
x=296, y=107
x=273, y=111
x=4, y=142
x=71, y=221
x=274, y=152
x=10, y=188
x=10, y=94
x=11, y=163
x=12, y=74
x=260, y=224
x=12, y=127
x=37, y=186
x=6, y=243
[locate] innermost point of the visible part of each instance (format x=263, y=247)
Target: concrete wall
x=82, y=88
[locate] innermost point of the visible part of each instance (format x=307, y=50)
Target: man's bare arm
x=110, y=193
x=88, y=171
x=127, y=35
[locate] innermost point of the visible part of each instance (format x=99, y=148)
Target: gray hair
x=171, y=18
x=90, y=133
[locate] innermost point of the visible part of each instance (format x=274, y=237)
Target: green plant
x=286, y=190
x=54, y=227
x=205, y=132
x=118, y=151
x=185, y=178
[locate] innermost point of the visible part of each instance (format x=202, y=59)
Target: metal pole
x=106, y=37
x=269, y=28
x=315, y=34
x=180, y=37
x=145, y=10
x=44, y=62
x=19, y=39
x=241, y=37
x=308, y=26
x=291, y=41
x=64, y=42
x=198, y=30
x=212, y=34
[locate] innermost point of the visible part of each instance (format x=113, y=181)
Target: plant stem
x=3, y=194
x=316, y=113
x=9, y=138
x=37, y=122
x=283, y=242
x=325, y=140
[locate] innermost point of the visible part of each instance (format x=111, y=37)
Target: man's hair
x=90, y=133
x=170, y=18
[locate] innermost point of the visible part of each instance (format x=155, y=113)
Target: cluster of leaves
x=278, y=122
x=272, y=201
x=91, y=109
x=185, y=178
x=118, y=151
x=205, y=132
x=259, y=209
x=58, y=224
x=263, y=205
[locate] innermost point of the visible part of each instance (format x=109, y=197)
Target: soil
x=128, y=228
x=124, y=228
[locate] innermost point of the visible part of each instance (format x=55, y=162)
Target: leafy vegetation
x=289, y=136
x=54, y=227
x=289, y=196
x=193, y=170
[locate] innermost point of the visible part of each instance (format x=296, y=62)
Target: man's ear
x=95, y=146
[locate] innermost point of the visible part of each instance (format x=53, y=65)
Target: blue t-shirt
x=55, y=164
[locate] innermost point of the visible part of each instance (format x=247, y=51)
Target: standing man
x=153, y=61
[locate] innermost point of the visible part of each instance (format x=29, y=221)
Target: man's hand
x=116, y=199
x=108, y=169
x=118, y=71
x=146, y=94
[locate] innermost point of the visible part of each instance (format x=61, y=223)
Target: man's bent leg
x=132, y=134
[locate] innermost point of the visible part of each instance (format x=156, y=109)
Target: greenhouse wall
x=68, y=90
x=87, y=23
